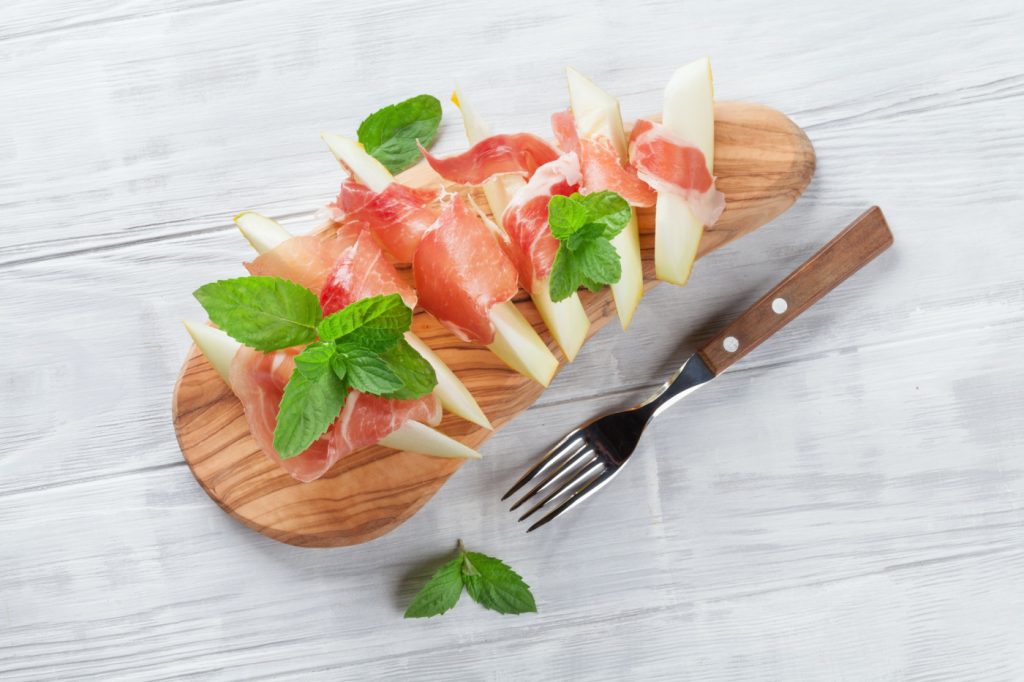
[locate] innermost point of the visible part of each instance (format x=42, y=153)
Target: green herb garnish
x=584, y=225
x=390, y=134
x=360, y=347
x=489, y=581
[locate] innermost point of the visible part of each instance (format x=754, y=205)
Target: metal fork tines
x=586, y=459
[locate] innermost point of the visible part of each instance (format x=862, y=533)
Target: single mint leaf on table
x=264, y=313
x=440, y=594
x=310, y=404
x=417, y=375
x=367, y=371
x=489, y=581
x=386, y=313
x=493, y=585
x=390, y=134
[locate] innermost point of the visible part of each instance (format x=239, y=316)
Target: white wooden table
x=845, y=504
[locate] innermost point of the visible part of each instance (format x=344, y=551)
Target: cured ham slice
x=599, y=163
x=259, y=379
x=305, y=260
x=461, y=273
x=367, y=419
x=670, y=164
x=530, y=242
x=399, y=216
x=361, y=271
x=518, y=154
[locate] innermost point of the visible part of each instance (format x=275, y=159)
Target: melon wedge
x=597, y=114
x=417, y=437
x=566, y=320
x=689, y=112
x=265, y=233
x=515, y=342
x=220, y=349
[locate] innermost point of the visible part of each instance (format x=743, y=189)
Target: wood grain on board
x=763, y=162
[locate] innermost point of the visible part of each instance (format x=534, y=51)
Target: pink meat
x=366, y=419
x=670, y=164
x=600, y=164
x=306, y=260
x=361, y=271
x=531, y=244
x=399, y=216
x=461, y=273
x=518, y=154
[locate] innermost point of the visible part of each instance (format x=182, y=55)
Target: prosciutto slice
x=461, y=273
x=670, y=164
x=305, y=260
x=366, y=419
x=600, y=163
x=530, y=242
x=258, y=380
x=519, y=154
x=399, y=216
x=361, y=271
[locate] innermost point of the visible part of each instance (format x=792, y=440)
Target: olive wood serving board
x=763, y=162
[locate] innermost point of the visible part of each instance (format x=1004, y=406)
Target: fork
x=590, y=456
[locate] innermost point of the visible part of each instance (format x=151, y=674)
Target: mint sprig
x=489, y=581
x=390, y=134
x=584, y=225
x=359, y=347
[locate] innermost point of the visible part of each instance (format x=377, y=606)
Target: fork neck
x=691, y=375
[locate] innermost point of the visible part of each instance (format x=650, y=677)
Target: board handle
x=848, y=252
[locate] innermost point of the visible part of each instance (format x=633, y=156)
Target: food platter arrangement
x=338, y=386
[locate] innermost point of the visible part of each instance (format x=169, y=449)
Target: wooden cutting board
x=763, y=162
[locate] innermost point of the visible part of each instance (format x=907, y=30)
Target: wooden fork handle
x=848, y=252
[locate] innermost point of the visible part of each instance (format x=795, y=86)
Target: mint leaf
x=314, y=358
x=564, y=279
x=440, y=594
x=608, y=209
x=417, y=375
x=390, y=134
x=377, y=340
x=489, y=581
x=310, y=404
x=367, y=371
x=583, y=226
x=566, y=215
x=388, y=313
x=587, y=233
x=493, y=585
x=265, y=313
x=598, y=263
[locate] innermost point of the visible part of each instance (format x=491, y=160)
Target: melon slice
x=689, y=112
x=597, y=115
